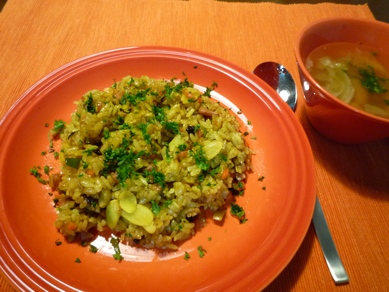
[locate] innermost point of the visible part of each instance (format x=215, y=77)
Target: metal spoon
x=280, y=79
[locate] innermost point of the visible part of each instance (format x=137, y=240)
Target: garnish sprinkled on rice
x=146, y=158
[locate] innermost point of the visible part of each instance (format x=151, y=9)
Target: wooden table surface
x=37, y=37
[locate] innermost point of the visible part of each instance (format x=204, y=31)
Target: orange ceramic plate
x=238, y=256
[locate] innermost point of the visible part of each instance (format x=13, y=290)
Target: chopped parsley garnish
x=84, y=164
x=155, y=177
x=238, y=212
x=223, y=157
x=122, y=160
x=159, y=113
x=46, y=169
x=209, y=90
x=78, y=260
x=35, y=172
x=58, y=127
x=201, y=251
x=371, y=81
x=106, y=134
x=115, y=243
x=89, y=104
x=58, y=242
x=134, y=98
x=92, y=248
x=182, y=147
x=186, y=256
x=200, y=159
x=173, y=127
x=155, y=208
x=146, y=136
x=119, y=121
x=215, y=171
x=182, y=85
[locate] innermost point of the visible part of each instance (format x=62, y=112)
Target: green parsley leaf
x=371, y=81
x=106, y=134
x=201, y=251
x=58, y=127
x=46, y=169
x=159, y=113
x=35, y=172
x=238, y=212
x=186, y=256
x=173, y=127
x=115, y=243
x=182, y=147
x=133, y=99
x=200, y=159
x=146, y=136
x=156, y=177
x=89, y=104
x=155, y=208
x=92, y=248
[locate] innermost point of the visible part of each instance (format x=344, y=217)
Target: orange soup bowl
x=329, y=115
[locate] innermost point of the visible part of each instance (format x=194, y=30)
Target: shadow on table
x=289, y=276
x=379, y=8
x=360, y=167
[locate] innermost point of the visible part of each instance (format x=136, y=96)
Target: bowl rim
x=325, y=94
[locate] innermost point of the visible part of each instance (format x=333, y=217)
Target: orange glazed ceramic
x=330, y=116
x=238, y=257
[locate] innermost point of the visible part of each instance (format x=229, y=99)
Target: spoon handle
x=331, y=255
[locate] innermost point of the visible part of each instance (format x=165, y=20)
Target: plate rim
x=101, y=57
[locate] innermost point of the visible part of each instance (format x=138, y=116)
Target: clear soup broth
x=356, y=74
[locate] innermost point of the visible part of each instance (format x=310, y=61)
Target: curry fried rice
x=145, y=157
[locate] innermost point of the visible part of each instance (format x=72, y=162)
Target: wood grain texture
x=36, y=37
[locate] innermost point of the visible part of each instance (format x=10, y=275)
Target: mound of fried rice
x=145, y=158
